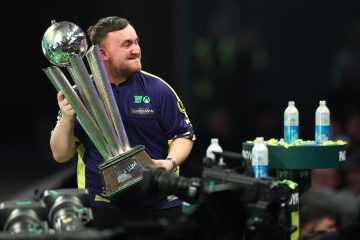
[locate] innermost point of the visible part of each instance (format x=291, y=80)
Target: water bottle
x=291, y=123
x=260, y=158
x=214, y=147
x=322, y=123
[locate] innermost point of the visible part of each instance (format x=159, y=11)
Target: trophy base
x=124, y=171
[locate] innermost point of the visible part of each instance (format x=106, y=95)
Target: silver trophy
x=64, y=44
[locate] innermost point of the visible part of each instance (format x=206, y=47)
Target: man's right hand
x=66, y=110
x=62, y=141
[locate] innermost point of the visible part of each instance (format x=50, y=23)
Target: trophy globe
x=62, y=40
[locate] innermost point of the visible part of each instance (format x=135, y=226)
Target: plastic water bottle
x=260, y=158
x=322, y=123
x=291, y=123
x=214, y=147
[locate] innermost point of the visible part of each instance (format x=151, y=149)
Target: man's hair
x=105, y=25
x=313, y=214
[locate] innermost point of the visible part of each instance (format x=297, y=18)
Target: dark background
x=235, y=64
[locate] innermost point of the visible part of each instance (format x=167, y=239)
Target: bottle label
x=322, y=118
x=260, y=171
x=291, y=133
x=322, y=133
x=260, y=163
x=260, y=160
x=291, y=119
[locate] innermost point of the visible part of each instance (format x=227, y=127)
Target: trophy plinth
x=124, y=171
x=64, y=44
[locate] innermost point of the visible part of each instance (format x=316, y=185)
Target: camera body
x=269, y=202
x=68, y=209
x=232, y=197
x=20, y=217
x=56, y=211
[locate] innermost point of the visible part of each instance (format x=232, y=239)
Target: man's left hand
x=163, y=163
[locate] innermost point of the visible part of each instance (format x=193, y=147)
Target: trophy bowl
x=62, y=40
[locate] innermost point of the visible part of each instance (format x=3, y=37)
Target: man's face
x=326, y=224
x=122, y=53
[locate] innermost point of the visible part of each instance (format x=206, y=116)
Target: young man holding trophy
x=152, y=115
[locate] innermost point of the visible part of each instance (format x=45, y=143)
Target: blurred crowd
x=331, y=208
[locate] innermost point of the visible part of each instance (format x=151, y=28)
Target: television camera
x=229, y=199
x=56, y=211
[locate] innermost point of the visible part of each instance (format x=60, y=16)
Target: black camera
x=23, y=217
x=156, y=181
x=257, y=208
x=68, y=209
x=53, y=212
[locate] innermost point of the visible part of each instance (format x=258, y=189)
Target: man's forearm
x=62, y=141
x=180, y=149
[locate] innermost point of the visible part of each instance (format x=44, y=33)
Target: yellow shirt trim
x=81, y=167
x=99, y=198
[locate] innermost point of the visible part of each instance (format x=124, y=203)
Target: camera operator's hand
x=163, y=163
x=67, y=111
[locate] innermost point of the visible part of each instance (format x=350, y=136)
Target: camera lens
x=68, y=214
x=157, y=181
x=24, y=221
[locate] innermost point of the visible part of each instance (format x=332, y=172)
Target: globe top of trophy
x=62, y=40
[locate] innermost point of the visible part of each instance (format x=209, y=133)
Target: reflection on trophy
x=64, y=44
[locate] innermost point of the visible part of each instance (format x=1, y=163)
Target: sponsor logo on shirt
x=142, y=111
x=141, y=99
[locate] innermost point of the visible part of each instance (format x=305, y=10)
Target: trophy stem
x=60, y=82
x=104, y=88
x=93, y=102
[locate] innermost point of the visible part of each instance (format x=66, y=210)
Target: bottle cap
x=291, y=103
x=322, y=102
x=259, y=139
x=214, y=140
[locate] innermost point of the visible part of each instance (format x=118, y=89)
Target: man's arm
x=62, y=141
x=180, y=149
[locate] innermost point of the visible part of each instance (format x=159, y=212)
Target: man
x=152, y=114
x=316, y=220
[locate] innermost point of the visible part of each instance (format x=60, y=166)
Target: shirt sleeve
x=173, y=117
x=78, y=131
